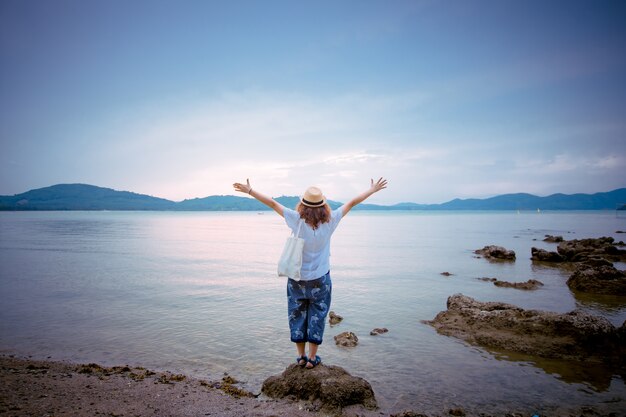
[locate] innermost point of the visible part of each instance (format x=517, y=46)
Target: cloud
x=355, y=158
x=565, y=163
x=561, y=164
x=285, y=142
x=610, y=162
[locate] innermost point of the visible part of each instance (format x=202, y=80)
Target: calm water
x=198, y=293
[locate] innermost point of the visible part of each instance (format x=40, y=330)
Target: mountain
x=82, y=197
x=233, y=203
x=90, y=197
x=598, y=201
x=221, y=203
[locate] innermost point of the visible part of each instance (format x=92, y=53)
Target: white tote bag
x=290, y=261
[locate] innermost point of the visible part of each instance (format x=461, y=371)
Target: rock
x=580, y=250
x=496, y=252
x=327, y=387
x=553, y=239
x=545, y=256
x=446, y=274
x=603, y=279
x=597, y=262
x=227, y=385
x=531, y=284
x=378, y=331
x=409, y=414
x=459, y=412
x=583, y=250
x=346, y=339
x=573, y=336
x=334, y=318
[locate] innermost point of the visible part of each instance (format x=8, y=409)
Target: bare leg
x=312, y=353
x=300, y=347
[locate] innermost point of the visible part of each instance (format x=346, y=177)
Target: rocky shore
x=46, y=388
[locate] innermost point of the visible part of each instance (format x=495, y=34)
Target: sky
x=445, y=99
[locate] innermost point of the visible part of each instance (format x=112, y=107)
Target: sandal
x=300, y=359
x=313, y=362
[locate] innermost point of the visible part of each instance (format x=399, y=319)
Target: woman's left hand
x=381, y=184
x=243, y=188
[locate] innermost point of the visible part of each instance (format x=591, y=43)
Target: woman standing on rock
x=308, y=299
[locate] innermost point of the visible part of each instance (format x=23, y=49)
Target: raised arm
x=271, y=203
x=374, y=188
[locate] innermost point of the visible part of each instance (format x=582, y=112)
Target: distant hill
x=90, y=197
x=82, y=197
x=221, y=203
x=598, y=201
x=233, y=203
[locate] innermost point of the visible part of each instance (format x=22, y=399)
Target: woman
x=309, y=297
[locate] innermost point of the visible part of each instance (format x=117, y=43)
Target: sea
x=198, y=293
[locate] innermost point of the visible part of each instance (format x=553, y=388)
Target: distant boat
x=538, y=211
x=260, y=212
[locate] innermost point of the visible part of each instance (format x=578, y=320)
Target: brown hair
x=314, y=216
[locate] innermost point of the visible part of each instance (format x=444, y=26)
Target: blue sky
x=179, y=99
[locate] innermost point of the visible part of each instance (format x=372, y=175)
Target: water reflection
x=610, y=306
x=597, y=376
x=603, y=303
x=567, y=268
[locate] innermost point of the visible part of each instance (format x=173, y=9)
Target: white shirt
x=316, y=254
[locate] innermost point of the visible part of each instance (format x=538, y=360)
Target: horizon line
x=295, y=196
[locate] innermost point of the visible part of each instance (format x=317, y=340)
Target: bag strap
x=299, y=226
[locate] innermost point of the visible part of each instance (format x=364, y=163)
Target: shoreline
x=34, y=387
x=30, y=387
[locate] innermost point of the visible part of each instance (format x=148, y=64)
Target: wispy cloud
x=355, y=158
x=284, y=142
x=277, y=138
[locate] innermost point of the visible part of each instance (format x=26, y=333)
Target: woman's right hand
x=243, y=188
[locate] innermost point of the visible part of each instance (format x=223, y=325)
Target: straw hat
x=313, y=197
